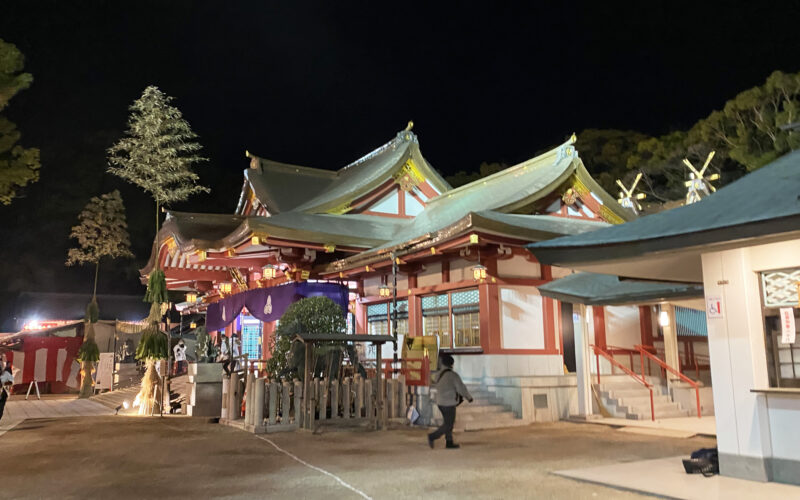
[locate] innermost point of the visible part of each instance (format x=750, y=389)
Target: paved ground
x=130, y=457
x=666, y=477
x=50, y=406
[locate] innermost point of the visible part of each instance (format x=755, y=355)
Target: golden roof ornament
x=697, y=185
x=626, y=197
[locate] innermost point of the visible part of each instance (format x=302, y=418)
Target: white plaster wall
x=521, y=317
x=783, y=411
x=478, y=367
x=622, y=326
x=432, y=275
x=518, y=267
x=784, y=416
x=737, y=352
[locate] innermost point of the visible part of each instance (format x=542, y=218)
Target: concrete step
x=631, y=393
x=645, y=415
x=496, y=424
x=485, y=417
x=643, y=400
x=469, y=408
x=485, y=401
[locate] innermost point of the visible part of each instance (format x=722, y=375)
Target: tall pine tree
x=102, y=232
x=18, y=166
x=157, y=155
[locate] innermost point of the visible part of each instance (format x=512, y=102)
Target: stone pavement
x=18, y=409
x=676, y=427
x=665, y=477
x=179, y=457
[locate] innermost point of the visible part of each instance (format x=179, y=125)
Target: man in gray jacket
x=449, y=392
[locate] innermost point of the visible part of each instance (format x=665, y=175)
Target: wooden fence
x=275, y=406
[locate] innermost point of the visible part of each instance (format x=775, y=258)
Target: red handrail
x=663, y=365
x=599, y=352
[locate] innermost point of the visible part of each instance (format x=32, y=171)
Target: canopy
x=269, y=304
x=603, y=289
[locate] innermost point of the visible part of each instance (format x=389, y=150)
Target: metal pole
x=114, y=367
x=394, y=310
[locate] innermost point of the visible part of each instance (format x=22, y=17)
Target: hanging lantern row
x=191, y=297
x=385, y=291
x=225, y=287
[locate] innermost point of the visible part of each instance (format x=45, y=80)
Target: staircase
x=486, y=411
x=623, y=397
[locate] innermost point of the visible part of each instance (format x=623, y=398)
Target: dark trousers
x=446, y=429
x=3, y=397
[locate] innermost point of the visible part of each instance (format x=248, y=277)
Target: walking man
x=450, y=391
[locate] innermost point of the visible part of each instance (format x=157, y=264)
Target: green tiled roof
x=282, y=187
x=372, y=170
x=602, y=289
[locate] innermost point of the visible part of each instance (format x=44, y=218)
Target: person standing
x=450, y=391
x=6, y=383
x=180, y=356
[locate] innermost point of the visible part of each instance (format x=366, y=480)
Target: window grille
x=780, y=287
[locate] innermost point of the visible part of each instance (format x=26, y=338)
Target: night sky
x=322, y=84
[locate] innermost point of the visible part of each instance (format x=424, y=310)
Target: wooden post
x=323, y=400
x=307, y=401
x=286, y=402
x=401, y=395
x=369, y=407
x=250, y=393
x=391, y=396
x=257, y=414
x=298, y=404
x=379, y=422
x=273, y=403
x=233, y=388
x=226, y=388
x=335, y=399
x=346, y=398
x=359, y=385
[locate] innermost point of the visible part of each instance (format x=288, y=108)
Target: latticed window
x=402, y=316
x=453, y=317
x=466, y=318
x=378, y=319
x=780, y=287
x=436, y=318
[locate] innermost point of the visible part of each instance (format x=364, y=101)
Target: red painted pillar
x=646, y=325
x=599, y=317
x=267, y=332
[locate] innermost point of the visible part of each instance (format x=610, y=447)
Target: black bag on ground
x=704, y=461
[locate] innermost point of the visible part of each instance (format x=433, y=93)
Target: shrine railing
x=645, y=353
x=600, y=352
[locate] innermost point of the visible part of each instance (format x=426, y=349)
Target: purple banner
x=269, y=304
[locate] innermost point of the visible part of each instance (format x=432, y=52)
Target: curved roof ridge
x=558, y=152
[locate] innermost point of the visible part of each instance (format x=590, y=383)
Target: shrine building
x=463, y=273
